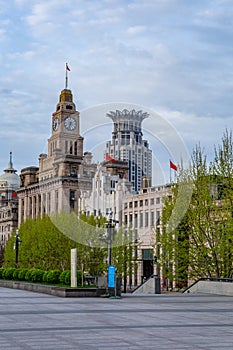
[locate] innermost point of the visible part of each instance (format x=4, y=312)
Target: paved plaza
x=169, y=321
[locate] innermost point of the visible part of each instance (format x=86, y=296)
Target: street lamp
x=108, y=238
x=111, y=223
x=16, y=247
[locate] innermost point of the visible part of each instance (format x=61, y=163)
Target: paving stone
x=168, y=321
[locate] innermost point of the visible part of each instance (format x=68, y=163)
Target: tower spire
x=10, y=164
x=10, y=168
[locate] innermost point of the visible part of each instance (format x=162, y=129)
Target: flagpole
x=66, y=85
x=170, y=172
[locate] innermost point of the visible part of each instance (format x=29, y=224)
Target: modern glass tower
x=127, y=144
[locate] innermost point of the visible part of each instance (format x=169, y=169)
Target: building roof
x=9, y=178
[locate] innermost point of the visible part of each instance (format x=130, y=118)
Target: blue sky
x=174, y=57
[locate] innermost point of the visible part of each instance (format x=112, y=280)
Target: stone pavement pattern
x=176, y=321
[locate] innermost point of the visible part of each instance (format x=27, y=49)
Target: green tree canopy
x=201, y=244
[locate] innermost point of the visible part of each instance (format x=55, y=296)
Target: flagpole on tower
x=67, y=69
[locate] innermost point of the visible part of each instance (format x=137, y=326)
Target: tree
x=46, y=246
x=124, y=255
x=201, y=244
x=43, y=246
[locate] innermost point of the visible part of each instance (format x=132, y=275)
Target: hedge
x=65, y=277
x=8, y=273
x=36, y=275
x=52, y=276
x=21, y=274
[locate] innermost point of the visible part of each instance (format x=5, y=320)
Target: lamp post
x=17, y=242
x=109, y=236
x=109, y=241
x=110, y=231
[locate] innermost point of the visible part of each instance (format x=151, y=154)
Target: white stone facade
x=9, y=183
x=108, y=190
x=142, y=213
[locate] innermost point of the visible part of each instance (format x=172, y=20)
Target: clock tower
x=64, y=171
x=65, y=128
x=65, y=145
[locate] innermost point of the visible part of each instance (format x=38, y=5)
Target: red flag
x=173, y=166
x=108, y=157
x=67, y=67
x=14, y=194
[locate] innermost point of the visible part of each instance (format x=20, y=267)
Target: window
x=141, y=219
x=157, y=200
x=44, y=203
x=146, y=219
x=66, y=146
x=75, y=148
x=56, y=201
x=48, y=202
x=147, y=254
x=73, y=171
x=152, y=201
x=136, y=220
x=152, y=218
x=72, y=199
x=39, y=203
x=34, y=206
x=130, y=219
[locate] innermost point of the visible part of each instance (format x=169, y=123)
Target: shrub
x=28, y=275
x=1, y=272
x=21, y=274
x=36, y=275
x=8, y=273
x=16, y=274
x=65, y=277
x=79, y=278
x=68, y=278
x=53, y=276
x=45, y=274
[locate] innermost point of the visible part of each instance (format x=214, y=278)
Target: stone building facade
x=141, y=214
x=56, y=184
x=9, y=183
x=109, y=186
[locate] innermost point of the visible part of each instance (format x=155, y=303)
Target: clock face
x=55, y=124
x=70, y=123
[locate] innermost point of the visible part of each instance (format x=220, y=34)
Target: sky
x=172, y=58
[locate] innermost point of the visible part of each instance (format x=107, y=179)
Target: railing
x=212, y=279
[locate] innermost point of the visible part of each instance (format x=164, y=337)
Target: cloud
x=135, y=30
x=170, y=55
